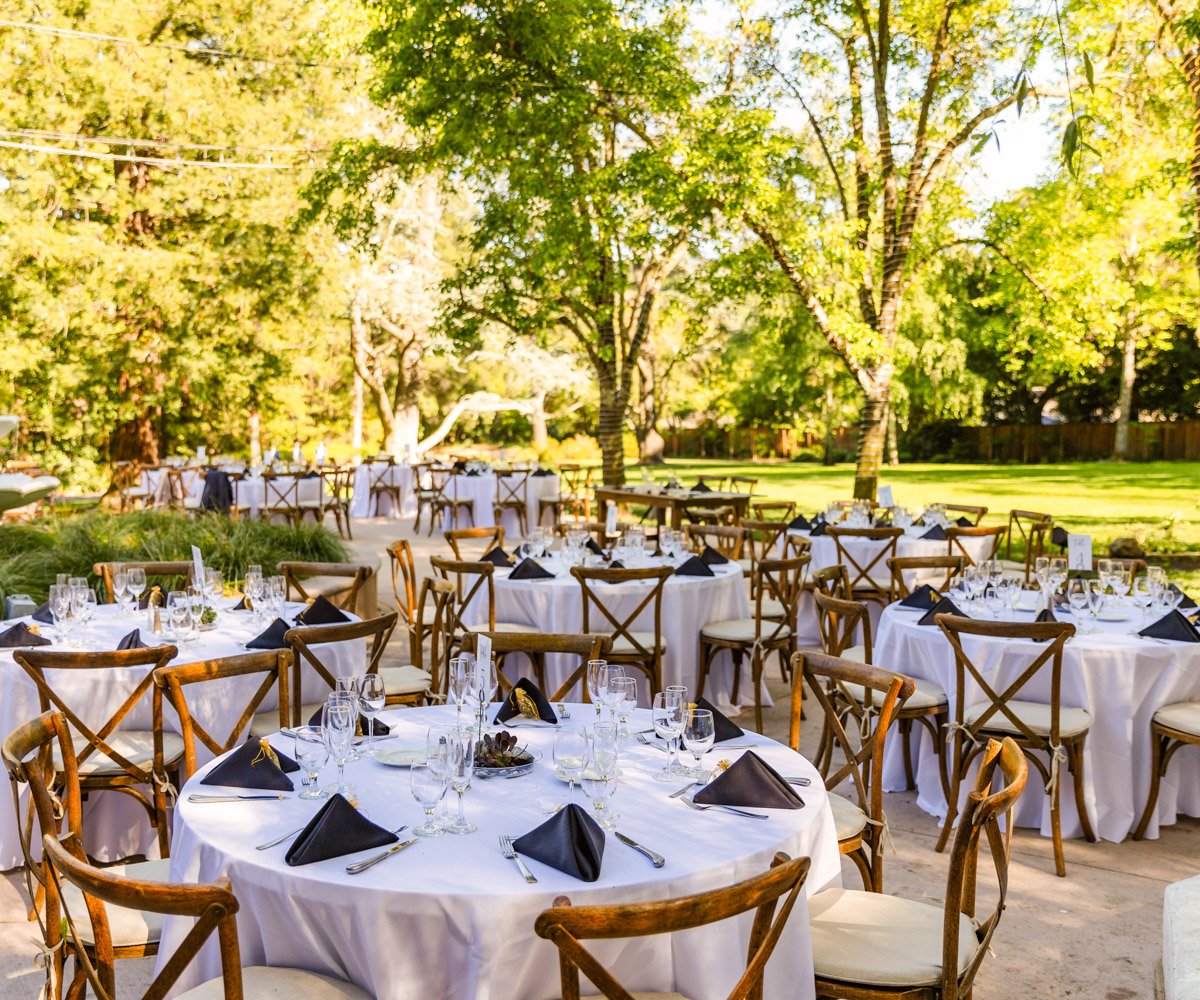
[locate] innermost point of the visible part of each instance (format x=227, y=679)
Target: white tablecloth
x=451, y=919
x=1119, y=678
x=688, y=604
x=155, y=482
x=114, y=825
x=481, y=491
x=251, y=493
x=362, y=504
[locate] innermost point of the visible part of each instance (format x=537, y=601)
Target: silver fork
x=646, y=743
x=716, y=805
x=507, y=849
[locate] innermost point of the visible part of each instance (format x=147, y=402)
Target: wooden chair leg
x=1158, y=743
x=956, y=771
x=1060, y=864
x=906, y=748
x=859, y=857
x=737, y=675
x=1080, y=804
x=756, y=670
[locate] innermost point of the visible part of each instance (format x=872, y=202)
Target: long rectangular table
x=671, y=502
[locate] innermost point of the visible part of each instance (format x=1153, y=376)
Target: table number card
x=198, y=567
x=1079, y=553
x=885, y=497
x=483, y=654
x=610, y=519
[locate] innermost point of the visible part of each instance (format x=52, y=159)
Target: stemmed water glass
x=597, y=682
x=1143, y=596
x=623, y=690
x=83, y=606
x=667, y=716
x=60, y=605
x=460, y=761
x=214, y=586
x=120, y=586
x=338, y=720
x=437, y=758
x=137, y=583
x=611, y=694
x=312, y=754
x=179, y=613
x=600, y=774
x=995, y=600
x=484, y=681
x=459, y=684
x=1077, y=597
x=570, y=752
x=371, y=698
x=699, y=735
x=346, y=688
x=428, y=785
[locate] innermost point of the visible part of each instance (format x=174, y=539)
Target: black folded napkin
x=934, y=534
x=271, y=637
x=924, y=597
x=570, y=841
x=1059, y=536
x=498, y=557
x=242, y=605
x=799, y=522
x=249, y=766
x=322, y=611
x=695, y=566
x=965, y=522
x=817, y=529
x=525, y=697
x=593, y=546
x=153, y=596
x=337, y=829
x=1045, y=615
x=311, y=474
x=750, y=781
x=42, y=614
x=1171, y=626
x=361, y=728
x=21, y=635
x=1187, y=601
x=712, y=557
x=723, y=727
x=943, y=607
x=543, y=472
x=528, y=569
x=132, y=641
x=615, y=564
x=701, y=488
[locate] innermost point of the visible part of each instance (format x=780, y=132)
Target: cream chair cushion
x=405, y=679
x=136, y=746
x=848, y=819
x=1071, y=721
x=502, y=627
x=927, y=695
x=129, y=928
x=266, y=723
x=772, y=607
x=740, y=630
x=260, y=983
x=879, y=940
x=622, y=645
x=1183, y=715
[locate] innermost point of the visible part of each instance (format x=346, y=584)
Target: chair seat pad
x=1071, y=721
x=848, y=818
x=136, y=746
x=261, y=983
x=327, y=586
x=405, y=679
x=927, y=695
x=874, y=939
x=772, y=607
x=740, y=630
x=856, y=654
x=503, y=627
x=129, y=928
x=622, y=645
x=266, y=723
x=1183, y=715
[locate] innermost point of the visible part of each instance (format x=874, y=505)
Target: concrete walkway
x=1095, y=934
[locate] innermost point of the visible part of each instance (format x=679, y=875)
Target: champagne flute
x=461, y=763
x=60, y=604
x=136, y=583
x=120, y=586
x=338, y=722
x=597, y=681
x=699, y=735
x=437, y=758
x=624, y=697
x=346, y=688
x=600, y=775
x=428, y=786
x=371, y=699
x=667, y=716
x=459, y=684
x=312, y=754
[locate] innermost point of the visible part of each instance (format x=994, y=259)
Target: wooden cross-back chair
x=1037, y=727
x=955, y=538
x=773, y=510
x=490, y=537
x=715, y=483
x=537, y=645
x=381, y=482
x=511, y=490
x=413, y=600
x=859, y=820
x=274, y=666
x=214, y=908
x=781, y=582
x=872, y=946
x=429, y=479
x=761, y=541
x=574, y=493
x=340, y=583
x=772, y=895
x=1019, y=523
x=742, y=484
x=109, y=757
x=938, y=571
x=832, y=580
x=970, y=511
x=1172, y=727
x=181, y=482
x=281, y=496
x=449, y=504
x=630, y=647
x=165, y=573
x=725, y=538
x=473, y=581
x=127, y=485
x=868, y=581
x=337, y=483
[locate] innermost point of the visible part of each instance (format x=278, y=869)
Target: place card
x=483, y=649
x=610, y=520
x=1079, y=552
x=885, y=497
x=198, y=567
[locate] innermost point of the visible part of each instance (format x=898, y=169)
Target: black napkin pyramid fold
x=701, y=488
x=543, y=472
x=965, y=522
x=497, y=556
x=337, y=829
x=21, y=635
x=1186, y=602
x=42, y=614
x=1172, y=626
x=527, y=569
x=615, y=564
x=817, y=529
x=1045, y=615
x=132, y=640
x=362, y=727
x=750, y=781
x=943, y=607
x=242, y=605
x=695, y=566
x=511, y=709
x=249, y=767
x=712, y=557
x=570, y=841
x=723, y=727
x=271, y=637
x=593, y=547
x=924, y=597
x=934, y=534
x=153, y=596
x=799, y=523
x=322, y=611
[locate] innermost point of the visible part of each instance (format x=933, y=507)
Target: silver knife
x=362, y=866
x=233, y=798
x=653, y=857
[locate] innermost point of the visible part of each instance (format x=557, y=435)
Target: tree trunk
x=136, y=441
x=872, y=432
x=1125, y=395
x=537, y=422
x=254, y=429
x=356, y=414
x=612, y=423
x=827, y=419
x=893, y=453
x=405, y=432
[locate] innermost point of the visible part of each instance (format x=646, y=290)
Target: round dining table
x=451, y=918
x=398, y=474
x=114, y=825
x=482, y=490
x=1118, y=677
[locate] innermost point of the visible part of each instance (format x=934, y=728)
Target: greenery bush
x=31, y=555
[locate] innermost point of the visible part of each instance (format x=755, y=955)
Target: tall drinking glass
x=461, y=762
x=667, y=715
x=338, y=722
x=312, y=754
x=597, y=681
x=371, y=698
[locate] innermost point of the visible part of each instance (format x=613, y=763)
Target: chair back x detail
x=629, y=646
x=867, y=577
x=304, y=642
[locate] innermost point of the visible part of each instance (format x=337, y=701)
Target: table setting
x=398, y=474
x=475, y=818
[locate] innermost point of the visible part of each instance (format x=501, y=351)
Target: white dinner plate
x=401, y=757
x=1113, y=615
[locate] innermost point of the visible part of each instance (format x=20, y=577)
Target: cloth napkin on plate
x=1171, y=626
x=498, y=557
x=695, y=566
x=570, y=841
x=701, y=488
x=943, y=607
x=361, y=727
x=799, y=523
x=337, y=829
x=249, y=766
x=322, y=611
x=593, y=546
x=526, y=703
x=712, y=557
x=21, y=635
x=527, y=569
x=133, y=640
x=1186, y=602
x=924, y=597
x=934, y=534
x=42, y=614
x=271, y=637
x=749, y=781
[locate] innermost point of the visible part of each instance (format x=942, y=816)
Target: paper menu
x=610, y=519
x=198, y=568
x=483, y=654
x=885, y=497
x=1079, y=553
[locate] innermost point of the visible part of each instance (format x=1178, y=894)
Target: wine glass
x=60, y=604
x=484, y=682
x=597, y=681
x=699, y=735
x=459, y=682
x=610, y=694
x=346, y=688
x=179, y=613
x=214, y=585
x=312, y=754
x=86, y=611
x=667, y=716
x=600, y=775
x=624, y=697
x=1143, y=595
x=371, y=698
x=570, y=752
x=460, y=759
x=994, y=600
x=254, y=588
x=136, y=582
x=338, y=720
x=120, y=586
x=428, y=786
x=195, y=607
x=1077, y=597
x=437, y=757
